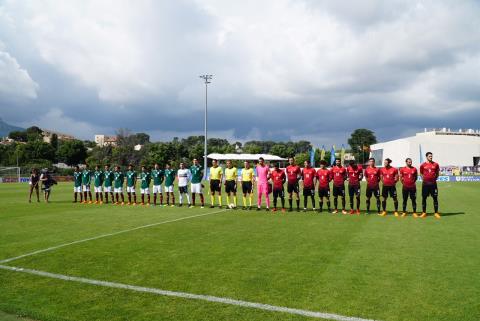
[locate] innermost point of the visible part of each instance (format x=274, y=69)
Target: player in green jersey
x=77, y=187
x=158, y=176
x=145, y=185
x=118, y=179
x=86, y=181
x=97, y=183
x=170, y=174
x=107, y=182
x=196, y=170
x=131, y=185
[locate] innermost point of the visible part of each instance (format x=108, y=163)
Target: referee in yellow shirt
x=216, y=175
x=247, y=185
x=231, y=174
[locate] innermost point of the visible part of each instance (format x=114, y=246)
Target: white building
x=449, y=148
x=104, y=140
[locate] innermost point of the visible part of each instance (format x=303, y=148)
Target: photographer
x=47, y=183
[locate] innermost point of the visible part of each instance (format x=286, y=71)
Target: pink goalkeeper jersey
x=262, y=174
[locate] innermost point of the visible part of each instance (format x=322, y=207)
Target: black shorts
x=429, y=190
x=409, y=192
x=324, y=192
x=308, y=191
x=291, y=188
x=215, y=185
x=338, y=191
x=375, y=191
x=183, y=189
x=247, y=187
x=389, y=190
x=230, y=187
x=278, y=192
x=353, y=190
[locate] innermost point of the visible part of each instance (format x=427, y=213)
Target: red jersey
x=293, y=172
x=324, y=177
x=278, y=178
x=408, y=176
x=354, y=175
x=339, y=175
x=372, y=174
x=389, y=176
x=429, y=172
x=308, y=175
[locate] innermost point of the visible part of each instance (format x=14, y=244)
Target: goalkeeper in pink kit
x=262, y=183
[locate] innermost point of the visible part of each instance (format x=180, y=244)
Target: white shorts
x=157, y=189
x=130, y=189
x=86, y=188
x=118, y=190
x=107, y=189
x=196, y=188
x=169, y=189
x=98, y=189
x=77, y=189
x=145, y=190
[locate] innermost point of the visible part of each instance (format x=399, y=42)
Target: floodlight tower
x=207, y=80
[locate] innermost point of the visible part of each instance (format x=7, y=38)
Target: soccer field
x=106, y=262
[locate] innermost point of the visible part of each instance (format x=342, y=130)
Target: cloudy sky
x=299, y=69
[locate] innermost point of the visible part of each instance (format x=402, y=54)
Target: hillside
x=7, y=128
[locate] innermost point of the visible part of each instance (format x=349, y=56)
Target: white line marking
x=209, y=298
x=104, y=235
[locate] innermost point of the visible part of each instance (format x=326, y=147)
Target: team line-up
x=107, y=182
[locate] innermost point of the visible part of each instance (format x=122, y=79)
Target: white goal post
x=10, y=175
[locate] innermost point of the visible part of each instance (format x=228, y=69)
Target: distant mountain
x=5, y=128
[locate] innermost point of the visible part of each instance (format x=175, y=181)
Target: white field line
x=105, y=235
x=184, y=295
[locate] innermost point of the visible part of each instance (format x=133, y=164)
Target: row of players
x=268, y=181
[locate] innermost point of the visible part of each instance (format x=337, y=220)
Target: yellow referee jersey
x=216, y=173
x=247, y=174
x=231, y=174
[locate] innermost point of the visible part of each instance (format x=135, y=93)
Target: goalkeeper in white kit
x=183, y=175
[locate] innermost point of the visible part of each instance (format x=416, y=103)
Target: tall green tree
x=360, y=141
x=72, y=152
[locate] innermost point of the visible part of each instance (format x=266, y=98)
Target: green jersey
x=170, y=176
x=86, y=177
x=145, y=178
x=197, y=174
x=77, y=178
x=118, y=179
x=108, y=178
x=98, y=178
x=131, y=178
x=157, y=175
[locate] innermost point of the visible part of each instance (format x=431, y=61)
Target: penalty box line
x=185, y=295
x=52, y=248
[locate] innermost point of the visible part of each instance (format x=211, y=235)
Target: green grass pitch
x=371, y=267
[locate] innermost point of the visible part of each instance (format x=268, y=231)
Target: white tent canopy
x=266, y=157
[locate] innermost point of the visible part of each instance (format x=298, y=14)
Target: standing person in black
x=34, y=180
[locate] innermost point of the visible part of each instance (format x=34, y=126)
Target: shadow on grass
x=452, y=213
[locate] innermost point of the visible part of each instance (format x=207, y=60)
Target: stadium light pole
x=207, y=80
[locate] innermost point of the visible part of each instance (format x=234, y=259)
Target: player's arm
x=421, y=170
x=437, y=171
x=360, y=175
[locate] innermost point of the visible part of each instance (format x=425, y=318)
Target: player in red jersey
x=372, y=174
x=355, y=175
x=389, y=177
x=339, y=174
x=324, y=176
x=430, y=172
x=278, y=177
x=293, y=175
x=408, y=177
x=308, y=176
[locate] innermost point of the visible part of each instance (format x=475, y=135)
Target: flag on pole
x=332, y=155
x=342, y=153
x=322, y=153
x=312, y=157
